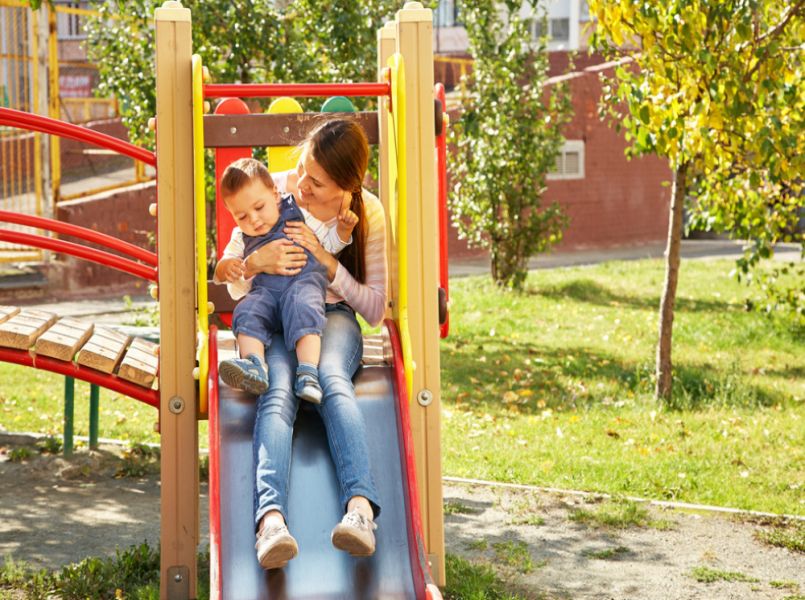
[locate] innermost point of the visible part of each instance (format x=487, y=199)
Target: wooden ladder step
x=374, y=349
x=64, y=339
x=141, y=363
x=104, y=350
x=21, y=330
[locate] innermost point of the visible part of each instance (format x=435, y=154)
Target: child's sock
x=307, y=383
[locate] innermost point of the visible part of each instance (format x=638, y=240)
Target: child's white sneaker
x=307, y=385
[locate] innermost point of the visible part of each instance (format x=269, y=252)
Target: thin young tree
x=507, y=139
x=717, y=89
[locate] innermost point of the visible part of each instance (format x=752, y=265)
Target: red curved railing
x=91, y=254
x=297, y=90
x=38, y=123
x=83, y=233
x=71, y=369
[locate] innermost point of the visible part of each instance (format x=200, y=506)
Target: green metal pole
x=94, y=401
x=69, y=396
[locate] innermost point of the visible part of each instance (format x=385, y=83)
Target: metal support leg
x=69, y=396
x=94, y=402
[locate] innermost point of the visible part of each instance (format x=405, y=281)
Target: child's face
x=254, y=208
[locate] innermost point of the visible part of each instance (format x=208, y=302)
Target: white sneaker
x=275, y=547
x=355, y=534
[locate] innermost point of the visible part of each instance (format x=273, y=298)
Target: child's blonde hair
x=241, y=173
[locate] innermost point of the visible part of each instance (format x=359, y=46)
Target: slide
x=319, y=570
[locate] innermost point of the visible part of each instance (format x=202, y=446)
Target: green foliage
x=132, y=573
x=50, y=445
x=20, y=454
x=709, y=575
x=507, y=140
x=466, y=581
x=718, y=88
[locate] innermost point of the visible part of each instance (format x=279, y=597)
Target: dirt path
x=54, y=511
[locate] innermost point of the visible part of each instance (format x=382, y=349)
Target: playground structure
x=399, y=397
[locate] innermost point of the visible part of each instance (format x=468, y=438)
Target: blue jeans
x=341, y=351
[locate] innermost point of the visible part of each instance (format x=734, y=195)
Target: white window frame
x=569, y=146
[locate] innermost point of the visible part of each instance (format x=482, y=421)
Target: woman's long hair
x=340, y=147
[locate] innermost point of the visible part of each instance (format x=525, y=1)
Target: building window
x=558, y=30
x=447, y=14
x=69, y=25
x=569, y=161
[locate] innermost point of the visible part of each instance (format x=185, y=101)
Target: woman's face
x=316, y=188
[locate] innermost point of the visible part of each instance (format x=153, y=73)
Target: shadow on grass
x=592, y=292
x=580, y=377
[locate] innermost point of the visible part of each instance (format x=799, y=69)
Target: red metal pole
x=272, y=90
x=24, y=120
x=91, y=254
x=71, y=369
x=441, y=172
x=83, y=233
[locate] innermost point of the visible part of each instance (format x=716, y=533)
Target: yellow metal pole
x=177, y=302
x=37, y=136
x=53, y=105
x=385, y=48
x=201, y=234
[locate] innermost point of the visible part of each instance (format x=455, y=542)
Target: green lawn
x=554, y=388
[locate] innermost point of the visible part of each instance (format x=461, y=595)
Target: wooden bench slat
x=104, y=350
x=6, y=312
x=140, y=365
x=64, y=339
x=21, y=330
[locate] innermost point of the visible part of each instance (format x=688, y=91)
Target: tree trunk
x=664, y=367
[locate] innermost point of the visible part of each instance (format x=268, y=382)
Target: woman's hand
x=280, y=257
x=300, y=233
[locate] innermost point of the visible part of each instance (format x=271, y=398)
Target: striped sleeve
x=369, y=298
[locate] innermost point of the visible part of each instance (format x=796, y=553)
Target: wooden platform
x=103, y=349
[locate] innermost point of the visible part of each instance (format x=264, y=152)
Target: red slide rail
x=419, y=563
x=216, y=583
x=23, y=120
x=296, y=90
x=71, y=369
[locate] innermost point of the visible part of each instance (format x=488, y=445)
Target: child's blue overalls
x=294, y=304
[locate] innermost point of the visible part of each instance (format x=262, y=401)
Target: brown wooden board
x=232, y=131
x=104, y=350
x=64, y=339
x=140, y=364
x=6, y=312
x=21, y=330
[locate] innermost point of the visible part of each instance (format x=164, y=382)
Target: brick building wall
x=619, y=202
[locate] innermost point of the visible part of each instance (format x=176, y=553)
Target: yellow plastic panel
x=283, y=158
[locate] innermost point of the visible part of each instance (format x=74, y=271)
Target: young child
x=294, y=304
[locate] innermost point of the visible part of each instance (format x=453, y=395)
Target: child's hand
x=234, y=270
x=347, y=220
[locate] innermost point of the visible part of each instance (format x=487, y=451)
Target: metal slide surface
x=319, y=570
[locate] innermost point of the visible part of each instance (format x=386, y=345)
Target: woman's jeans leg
x=342, y=348
x=273, y=433
x=341, y=352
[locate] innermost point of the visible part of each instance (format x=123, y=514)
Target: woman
x=327, y=183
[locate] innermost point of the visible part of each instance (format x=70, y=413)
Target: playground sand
x=55, y=511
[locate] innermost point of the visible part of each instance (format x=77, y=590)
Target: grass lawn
x=554, y=387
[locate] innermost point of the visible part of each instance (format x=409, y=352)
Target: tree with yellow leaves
x=716, y=88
